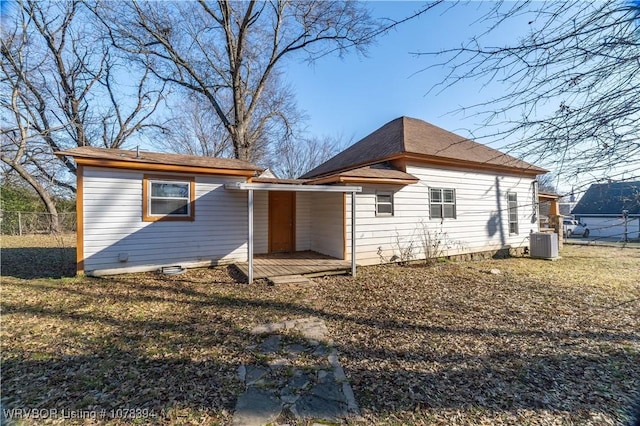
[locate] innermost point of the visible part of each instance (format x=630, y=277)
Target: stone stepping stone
x=271, y=344
x=295, y=349
x=324, y=394
x=256, y=407
x=324, y=401
x=254, y=374
x=294, y=388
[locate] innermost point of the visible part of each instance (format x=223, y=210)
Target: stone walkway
x=296, y=376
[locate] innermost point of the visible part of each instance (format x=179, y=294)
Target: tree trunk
x=42, y=193
x=241, y=146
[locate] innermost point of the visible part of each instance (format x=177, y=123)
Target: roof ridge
x=404, y=133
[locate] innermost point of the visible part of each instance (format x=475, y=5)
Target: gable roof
x=410, y=137
x=144, y=160
x=610, y=199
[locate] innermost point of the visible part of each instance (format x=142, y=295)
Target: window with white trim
x=442, y=203
x=168, y=198
x=512, y=207
x=384, y=203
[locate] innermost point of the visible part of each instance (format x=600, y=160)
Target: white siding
x=481, y=221
x=113, y=224
x=303, y=221
x=327, y=227
x=260, y=222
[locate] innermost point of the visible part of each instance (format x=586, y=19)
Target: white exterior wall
x=303, y=221
x=611, y=227
x=481, y=222
x=113, y=224
x=327, y=221
x=260, y=222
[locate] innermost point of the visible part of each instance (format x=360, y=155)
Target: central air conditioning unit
x=543, y=245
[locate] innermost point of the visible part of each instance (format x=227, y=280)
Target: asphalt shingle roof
x=159, y=158
x=407, y=135
x=610, y=199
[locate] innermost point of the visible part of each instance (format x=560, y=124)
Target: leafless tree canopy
x=67, y=86
x=231, y=52
x=573, y=96
x=291, y=158
x=547, y=183
x=191, y=129
x=61, y=84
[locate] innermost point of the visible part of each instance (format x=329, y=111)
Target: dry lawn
x=542, y=343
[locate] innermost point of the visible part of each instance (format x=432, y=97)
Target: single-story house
x=409, y=190
x=602, y=208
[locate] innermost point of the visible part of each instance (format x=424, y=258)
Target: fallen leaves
x=540, y=343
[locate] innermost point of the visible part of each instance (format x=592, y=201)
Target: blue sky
x=354, y=95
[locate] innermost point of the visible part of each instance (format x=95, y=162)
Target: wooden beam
x=80, y=220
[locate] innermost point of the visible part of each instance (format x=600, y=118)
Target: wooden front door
x=282, y=223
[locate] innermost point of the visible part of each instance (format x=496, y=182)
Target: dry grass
x=542, y=343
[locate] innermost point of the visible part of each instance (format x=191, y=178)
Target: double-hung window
x=442, y=203
x=384, y=203
x=512, y=207
x=168, y=198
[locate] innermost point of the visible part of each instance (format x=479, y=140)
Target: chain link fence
x=25, y=223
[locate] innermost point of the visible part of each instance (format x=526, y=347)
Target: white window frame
x=442, y=203
x=512, y=207
x=389, y=203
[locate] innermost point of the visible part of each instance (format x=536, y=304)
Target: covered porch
x=296, y=228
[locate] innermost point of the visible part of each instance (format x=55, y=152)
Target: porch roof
x=244, y=186
x=377, y=173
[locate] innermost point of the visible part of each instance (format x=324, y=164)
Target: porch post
x=353, y=234
x=250, y=236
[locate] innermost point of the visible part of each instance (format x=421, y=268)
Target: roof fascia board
x=451, y=162
x=154, y=167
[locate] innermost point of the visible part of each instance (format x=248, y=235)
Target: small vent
x=543, y=245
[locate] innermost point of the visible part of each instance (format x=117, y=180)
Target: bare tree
x=292, y=157
x=231, y=53
x=546, y=183
x=192, y=131
x=13, y=152
x=573, y=84
x=65, y=92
